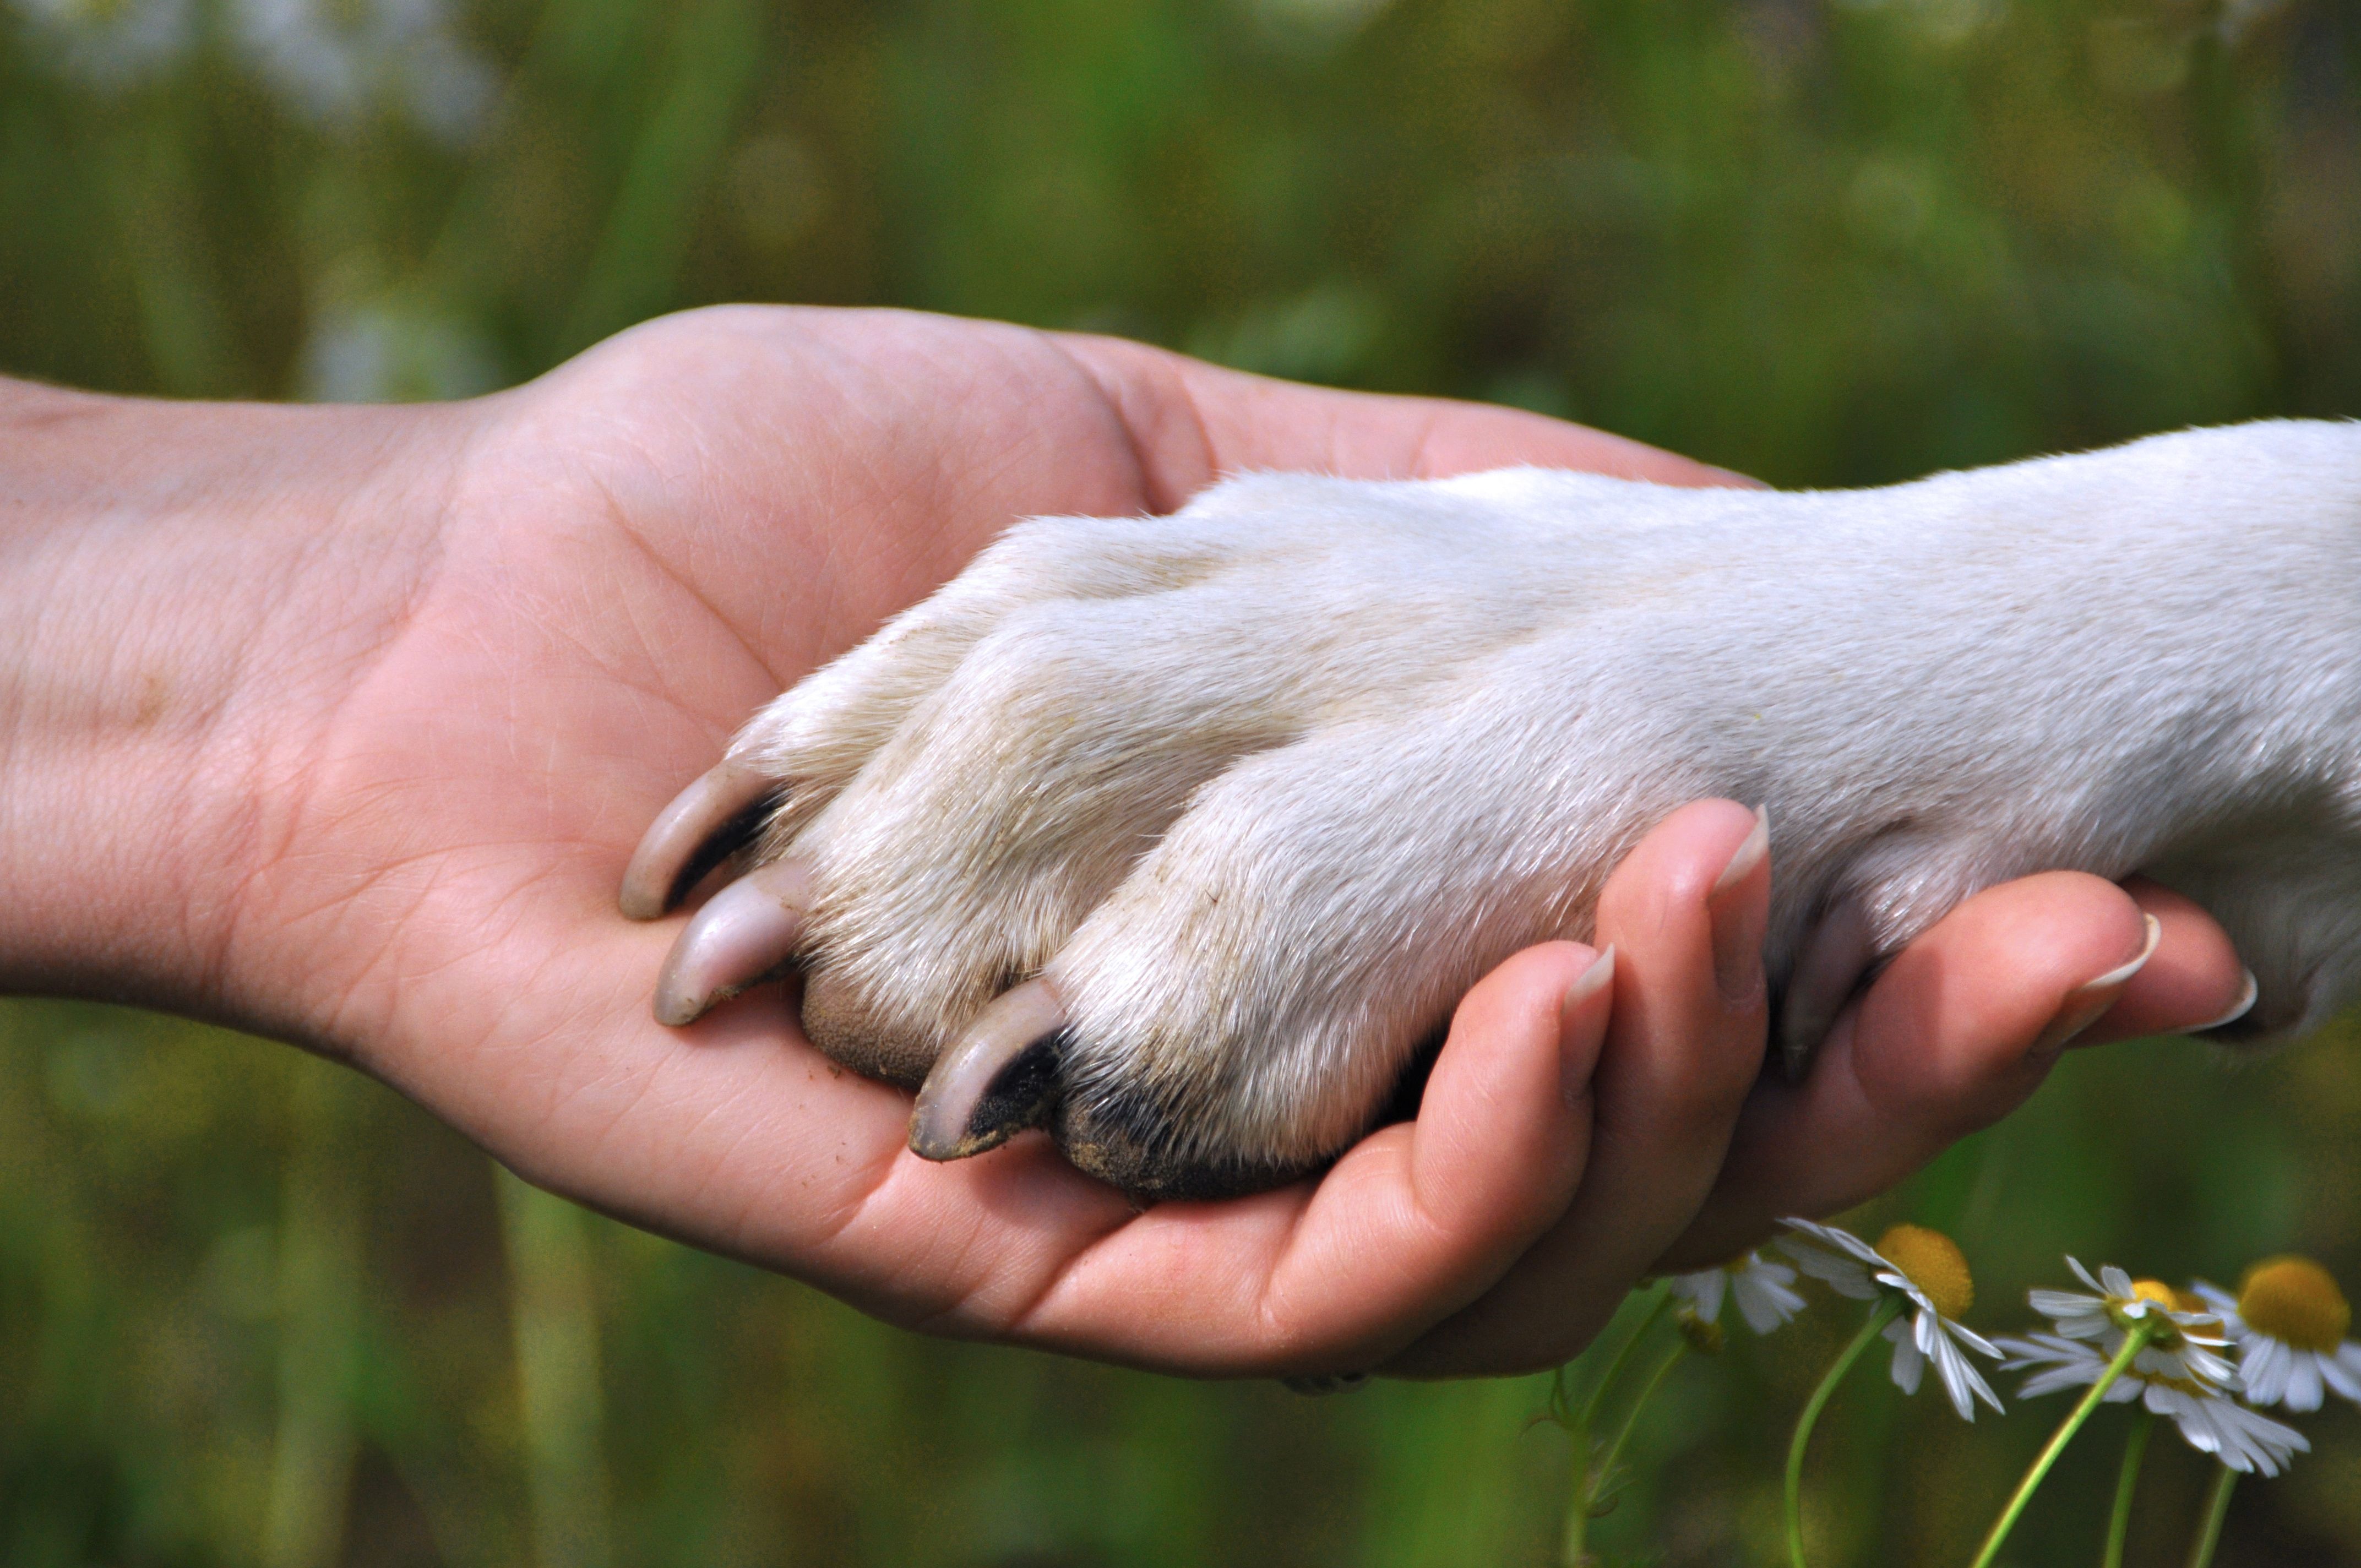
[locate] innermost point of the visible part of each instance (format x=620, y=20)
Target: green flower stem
x=2134, y=1342
x=1647, y=1391
x=1592, y=1483
x=1577, y=1507
x=1884, y=1313
x=2217, y=1509
x=1622, y=1354
x=2119, y=1523
x=1586, y=1490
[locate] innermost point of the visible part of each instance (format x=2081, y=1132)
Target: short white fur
x=1262, y=787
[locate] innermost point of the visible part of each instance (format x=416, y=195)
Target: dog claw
x=745, y=936
x=1000, y=1078
x=702, y=827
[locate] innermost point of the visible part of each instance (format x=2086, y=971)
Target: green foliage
x=252, y=1310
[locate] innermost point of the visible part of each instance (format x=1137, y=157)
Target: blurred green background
x=256, y=1310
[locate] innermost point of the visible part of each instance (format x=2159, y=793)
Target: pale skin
x=339, y=725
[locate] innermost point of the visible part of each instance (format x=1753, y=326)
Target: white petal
x=2265, y=1368
x=1900, y=1284
x=2114, y=1283
x=2083, y=1273
x=2057, y=1377
x=1858, y=1247
x=2244, y=1440
x=1764, y=1300
x=2192, y=1416
x=1842, y=1241
x=1972, y=1340
x=1804, y=1255
x=2068, y=1364
x=2083, y=1317
x=2303, y=1381
x=2042, y=1349
x=1842, y=1275
x=2343, y=1371
x=1960, y=1379
x=2206, y=1367
x=1908, y=1364
x=1701, y=1292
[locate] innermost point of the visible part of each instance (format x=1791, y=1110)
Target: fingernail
x=2239, y=1009
x=2088, y=1002
x=1740, y=917
x=1574, y=1081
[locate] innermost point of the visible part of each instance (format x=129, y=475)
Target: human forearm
x=165, y=662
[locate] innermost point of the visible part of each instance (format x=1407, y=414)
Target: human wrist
x=182, y=589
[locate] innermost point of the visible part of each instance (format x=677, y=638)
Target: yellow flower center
x=2158, y=1291
x=1933, y=1262
x=2295, y=1302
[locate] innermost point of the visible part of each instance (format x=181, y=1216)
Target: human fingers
x=1191, y=423
x=737, y=1136
x=1958, y=1030
x=1685, y=914
x=1412, y=1222
x=2195, y=980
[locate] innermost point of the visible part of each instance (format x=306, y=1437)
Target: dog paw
x=1181, y=837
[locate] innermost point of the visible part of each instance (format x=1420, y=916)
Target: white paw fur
x=1260, y=789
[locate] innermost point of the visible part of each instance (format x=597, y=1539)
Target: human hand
x=352, y=752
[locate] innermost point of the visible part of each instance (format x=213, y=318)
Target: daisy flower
x=2289, y=1319
x=1924, y=1271
x=2178, y=1372
x=2187, y=1334
x=1764, y=1290
x=2211, y=1421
